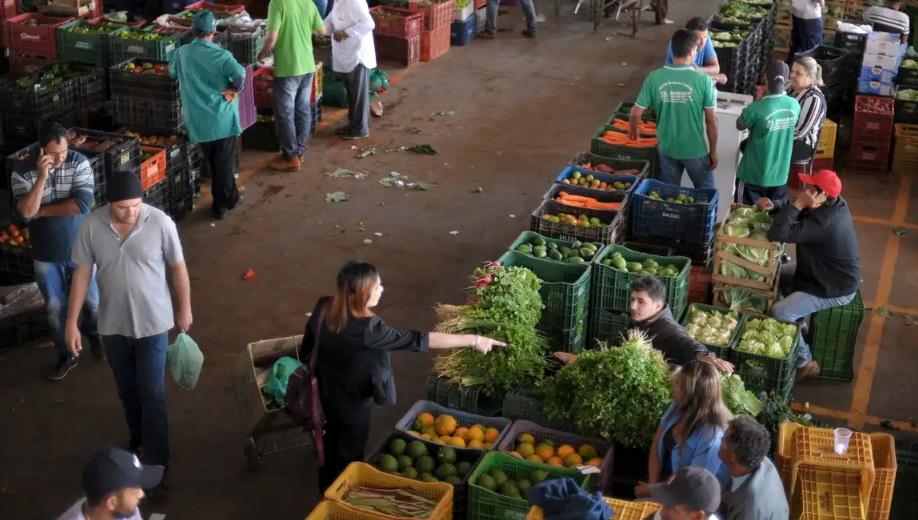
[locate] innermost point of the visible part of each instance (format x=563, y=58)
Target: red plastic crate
x=866, y=155
x=263, y=79
x=34, y=40
x=873, y=114
x=699, y=290
x=395, y=21
x=434, y=43
x=7, y=11
x=436, y=15
x=406, y=51
x=152, y=170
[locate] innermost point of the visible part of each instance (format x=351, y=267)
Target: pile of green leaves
x=740, y=299
x=752, y=224
x=739, y=400
x=775, y=411
x=616, y=393
x=767, y=337
x=506, y=306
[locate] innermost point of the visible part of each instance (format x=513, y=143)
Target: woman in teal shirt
x=691, y=428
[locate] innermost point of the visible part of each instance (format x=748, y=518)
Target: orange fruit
x=457, y=442
x=476, y=444
x=564, y=450
x=572, y=460
x=587, y=451
x=491, y=435
x=555, y=461
x=545, y=451
x=430, y=431
x=461, y=431
x=535, y=458
x=525, y=448
x=426, y=418
x=516, y=454
x=446, y=424
x=476, y=433
x=445, y=438
x=595, y=462
x=487, y=445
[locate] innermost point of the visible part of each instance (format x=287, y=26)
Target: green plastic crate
x=723, y=352
x=763, y=373
x=121, y=50
x=565, y=289
x=490, y=505
x=600, y=147
x=245, y=46
x=608, y=327
x=524, y=404
x=569, y=340
x=833, y=337
x=526, y=237
x=623, y=111
x=443, y=391
x=612, y=288
x=83, y=48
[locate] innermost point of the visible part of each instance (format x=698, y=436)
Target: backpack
x=302, y=397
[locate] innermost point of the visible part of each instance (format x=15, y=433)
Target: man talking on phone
x=827, y=273
x=53, y=193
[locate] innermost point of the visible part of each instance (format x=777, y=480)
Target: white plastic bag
x=185, y=359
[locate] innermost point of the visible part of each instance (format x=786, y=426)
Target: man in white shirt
x=113, y=481
x=888, y=19
x=353, y=55
x=690, y=494
x=807, y=19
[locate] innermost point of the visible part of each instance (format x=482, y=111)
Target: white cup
x=841, y=438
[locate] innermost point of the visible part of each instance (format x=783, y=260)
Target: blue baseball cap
x=204, y=22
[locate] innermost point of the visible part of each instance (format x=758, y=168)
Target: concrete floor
x=522, y=110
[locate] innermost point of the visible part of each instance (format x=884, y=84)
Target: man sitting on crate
x=827, y=273
x=209, y=78
x=651, y=314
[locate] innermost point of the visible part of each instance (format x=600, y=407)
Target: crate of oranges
x=529, y=441
x=429, y=421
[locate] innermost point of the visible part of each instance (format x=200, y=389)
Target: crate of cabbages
x=743, y=255
x=765, y=353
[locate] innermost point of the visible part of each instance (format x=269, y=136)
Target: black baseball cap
x=111, y=470
x=777, y=75
x=694, y=488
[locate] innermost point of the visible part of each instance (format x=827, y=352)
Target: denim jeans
x=292, y=113
x=699, y=170
x=795, y=306
x=53, y=279
x=494, y=5
x=321, y=5
x=139, y=366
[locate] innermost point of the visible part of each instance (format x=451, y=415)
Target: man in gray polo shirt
x=132, y=245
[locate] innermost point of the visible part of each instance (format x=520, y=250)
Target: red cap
x=824, y=179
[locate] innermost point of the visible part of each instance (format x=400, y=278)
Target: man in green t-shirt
x=291, y=24
x=766, y=158
x=683, y=100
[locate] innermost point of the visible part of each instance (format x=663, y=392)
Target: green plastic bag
x=280, y=374
x=333, y=92
x=185, y=360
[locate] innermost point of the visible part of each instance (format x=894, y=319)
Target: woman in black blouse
x=353, y=365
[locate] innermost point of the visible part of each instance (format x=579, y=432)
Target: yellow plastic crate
x=905, y=150
x=328, y=510
x=361, y=474
x=825, y=494
x=884, y=459
x=622, y=510
x=825, y=149
x=784, y=450
x=813, y=448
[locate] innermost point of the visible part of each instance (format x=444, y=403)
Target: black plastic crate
x=853, y=42
x=92, y=87
x=22, y=98
x=23, y=327
x=907, y=76
x=836, y=63
x=97, y=164
x=24, y=128
x=158, y=116
x=155, y=196
x=134, y=78
x=120, y=152
x=16, y=261
x=245, y=46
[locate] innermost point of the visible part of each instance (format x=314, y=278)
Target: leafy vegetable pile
x=748, y=223
x=741, y=299
x=907, y=95
x=767, y=337
x=739, y=12
x=728, y=39
x=615, y=393
x=712, y=327
x=506, y=307
x=739, y=400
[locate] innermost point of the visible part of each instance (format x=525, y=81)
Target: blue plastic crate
x=461, y=33
x=604, y=177
x=659, y=218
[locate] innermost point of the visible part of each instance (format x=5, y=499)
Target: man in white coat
x=353, y=55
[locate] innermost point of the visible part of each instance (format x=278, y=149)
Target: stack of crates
x=905, y=153
x=435, y=36
x=872, y=132
x=146, y=97
x=397, y=34
x=32, y=41
x=8, y=9
x=726, y=256
x=31, y=102
x=109, y=154
x=465, y=23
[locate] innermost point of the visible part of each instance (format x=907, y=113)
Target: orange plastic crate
x=361, y=474
x=434, y=43
x=825, y=494
x=813, y=448
x=884, y=459
x=328, y=510
x=152, y=170
x=622, y=510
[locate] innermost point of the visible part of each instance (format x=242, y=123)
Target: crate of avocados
x=590, y=163
x=40, y=94
x=570, y=223
x=743, y=256
x=615, y=267
x=717, y=328
x=127, y=43
x=661, y=210
x=86, y=41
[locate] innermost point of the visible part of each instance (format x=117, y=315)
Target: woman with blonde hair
x=353, y=365
x=692, y=427
x=805, y=80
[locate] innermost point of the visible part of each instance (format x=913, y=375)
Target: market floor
x=506, y=115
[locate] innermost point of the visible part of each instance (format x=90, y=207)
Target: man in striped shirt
x=888, y=19
x=53, y=192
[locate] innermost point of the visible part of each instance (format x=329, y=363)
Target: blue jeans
x=795, y=306
x=699, y=170
x=139, y=365
x=322, y=6
x=53, y=279
x=494, y=5
x=292, y=113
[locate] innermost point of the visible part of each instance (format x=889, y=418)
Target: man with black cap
x=771, y=121
x=132, y=244
x=827, y=273
x=209, y=79
x=691, y=494
x=113, y=481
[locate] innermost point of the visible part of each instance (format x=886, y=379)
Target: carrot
x=581, y=201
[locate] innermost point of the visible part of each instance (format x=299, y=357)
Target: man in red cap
x=827, y=273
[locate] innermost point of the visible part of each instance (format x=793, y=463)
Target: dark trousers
x=347, y=428
x=139, y=365
x=221, y=158
x=806, y=35
x=749, y=194
x=357, y=84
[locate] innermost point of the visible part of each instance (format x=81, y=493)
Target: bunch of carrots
x=580, y=201
x=648, y=128
x=620, y=139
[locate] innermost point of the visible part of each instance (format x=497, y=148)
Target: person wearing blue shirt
x=706, y=60
x=691, y=429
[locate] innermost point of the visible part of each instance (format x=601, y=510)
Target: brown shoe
x=811, y=369
x=284, y=165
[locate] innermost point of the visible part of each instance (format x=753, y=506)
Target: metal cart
x=601, y=9
x=271, y=430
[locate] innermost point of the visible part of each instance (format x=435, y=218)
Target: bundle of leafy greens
x=751, y=223
x=506, y=306
x=712, y=327
x=739, y=400
x=767, y=337
x=775, y=411
x=740, y=299
x=616, y=393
